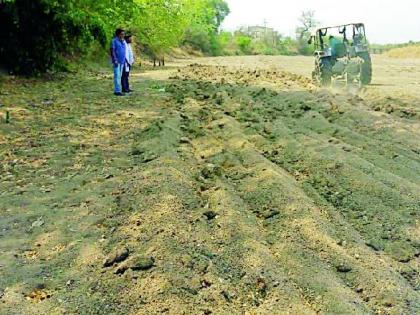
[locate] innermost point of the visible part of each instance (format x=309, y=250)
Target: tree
x=206, y=16
x=220, y=10
x=160, y=24
x=307, y=23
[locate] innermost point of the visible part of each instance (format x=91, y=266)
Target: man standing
x=118, y=54
x=129, y=61
x=333, y=43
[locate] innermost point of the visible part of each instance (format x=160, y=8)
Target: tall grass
x=405, y=52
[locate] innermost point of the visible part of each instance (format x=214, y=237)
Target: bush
x=197, y=39
x=304, y=48
x=244, y=44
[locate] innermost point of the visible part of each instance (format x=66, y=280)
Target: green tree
x=160, y=24
x=206, y=16
x=220, y=10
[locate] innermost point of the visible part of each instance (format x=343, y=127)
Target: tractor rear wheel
x=326, y=71
x=366, y=73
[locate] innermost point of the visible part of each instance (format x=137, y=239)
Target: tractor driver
x=333, y=42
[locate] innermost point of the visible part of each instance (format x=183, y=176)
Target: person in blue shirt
x=118, y=56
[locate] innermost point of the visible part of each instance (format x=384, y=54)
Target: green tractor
x=339, y=58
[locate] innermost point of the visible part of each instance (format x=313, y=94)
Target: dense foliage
x=203, y=32
x=37, y=35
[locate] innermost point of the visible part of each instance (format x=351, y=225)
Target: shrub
x=244, y=44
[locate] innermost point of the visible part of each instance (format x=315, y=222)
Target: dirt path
x=231, y=186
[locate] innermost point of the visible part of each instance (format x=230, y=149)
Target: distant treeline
x=262, y=40
x=242, y=43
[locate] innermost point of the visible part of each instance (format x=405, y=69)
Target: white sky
x=387, y=21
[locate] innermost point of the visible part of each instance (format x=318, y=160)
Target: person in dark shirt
x=118, y=54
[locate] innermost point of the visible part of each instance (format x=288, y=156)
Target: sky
x=387, y=21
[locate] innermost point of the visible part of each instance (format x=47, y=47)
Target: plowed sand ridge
x=235, y=185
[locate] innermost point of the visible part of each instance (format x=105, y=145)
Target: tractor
x=338, y=58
